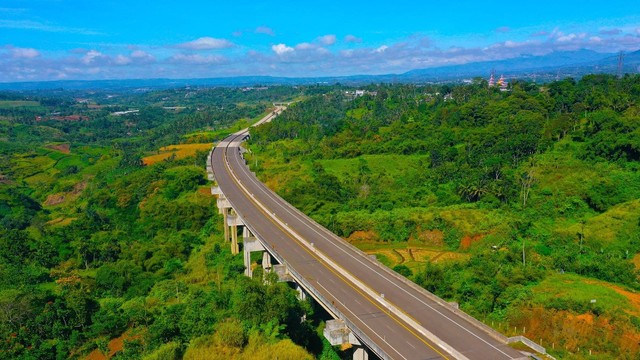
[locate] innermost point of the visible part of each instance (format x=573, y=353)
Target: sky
x=115, y=39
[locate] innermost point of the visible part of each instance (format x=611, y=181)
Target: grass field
x=10, y=104
x=179, y=151
x=392, y=164
x=580, y=291
x=405, y=253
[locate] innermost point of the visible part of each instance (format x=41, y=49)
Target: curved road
x=403, y=320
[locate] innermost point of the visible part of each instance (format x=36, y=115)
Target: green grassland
x=10, y=104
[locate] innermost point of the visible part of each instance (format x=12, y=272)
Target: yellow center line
x=341, y=277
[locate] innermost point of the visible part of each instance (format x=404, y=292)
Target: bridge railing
x=312, y=290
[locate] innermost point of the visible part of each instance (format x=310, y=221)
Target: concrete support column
x=247, y=261
x=235, y=249
x=360, y=353
x=302, y=295
x=266, y=261
x=251, y=244
x=225, y=216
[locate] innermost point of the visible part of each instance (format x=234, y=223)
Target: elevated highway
x=391, y=316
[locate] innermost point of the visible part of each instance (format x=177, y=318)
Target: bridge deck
x=402, y=320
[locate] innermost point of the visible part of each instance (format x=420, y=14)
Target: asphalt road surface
x=401, y=319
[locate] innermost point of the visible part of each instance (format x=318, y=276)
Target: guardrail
x=529, y=343
x=302, y=281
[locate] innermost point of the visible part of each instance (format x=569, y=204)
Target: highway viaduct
x=375, y=309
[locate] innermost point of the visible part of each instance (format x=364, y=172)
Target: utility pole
x=620, y=64
x=524, y=259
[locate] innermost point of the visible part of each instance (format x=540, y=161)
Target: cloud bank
x=324, y=55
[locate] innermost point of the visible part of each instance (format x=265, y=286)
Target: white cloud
x=34, y=25
x=206, y=43
x=570, y=37
x=595, y=39
x=352, y=39
x=281, y=49
x=23, y=53
x=540, y=33
x=503, y=29
x=197, y=59
x=381, y=49
x=566, y=38
x=613, y=31
x=265, y=30
x=347, y=53
x=122, y=60
x=142, y=57
x=311, y=58
x=305, y=46
x=92, y=56
x=327, y=40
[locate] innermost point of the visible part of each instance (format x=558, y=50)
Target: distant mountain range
x=539, y=68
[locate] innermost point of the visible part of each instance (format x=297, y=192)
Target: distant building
x=502, y=83
x=120, y=113
x=492, y=80
x=358, y=93
x=63, y=118
x=174, y=108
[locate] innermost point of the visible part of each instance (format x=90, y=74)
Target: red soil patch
x=55, y=199
x=587, y=318
x=63, y=148
x=205, y=191
x=115, y=345
x=469, y=240
x=565, y=330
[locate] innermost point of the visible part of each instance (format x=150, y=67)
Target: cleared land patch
x=180, y=151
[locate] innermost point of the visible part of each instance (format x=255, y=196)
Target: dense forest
x=522, y=205
x=102, y=257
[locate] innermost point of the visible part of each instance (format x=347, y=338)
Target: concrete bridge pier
x=337, y=333
x=360, y=353
x=250, y=244
x=225, y=215
x=232, y=221
x=266, y=261
x=302, y=294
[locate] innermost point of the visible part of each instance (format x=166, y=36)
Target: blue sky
x=114, y=39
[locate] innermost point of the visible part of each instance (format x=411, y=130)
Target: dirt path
x=402, y=259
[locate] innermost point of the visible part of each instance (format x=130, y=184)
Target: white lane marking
x=279, y=201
